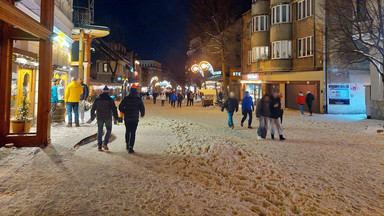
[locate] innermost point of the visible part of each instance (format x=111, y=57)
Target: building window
x=282, y=49
x=304, y=9
x=305, y=47
x=260, y=53
x=260, y=23
x=282, y=14
x=361, y=9
x=105, y=68
x=249, y=57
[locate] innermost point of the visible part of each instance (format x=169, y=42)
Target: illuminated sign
x=252, y=77
x=217, y=73
x=236, y=74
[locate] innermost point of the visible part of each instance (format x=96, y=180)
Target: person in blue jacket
x=54, y=97
x=247, y=109
x=173, y=99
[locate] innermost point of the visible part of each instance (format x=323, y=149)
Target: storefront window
x=24, y=87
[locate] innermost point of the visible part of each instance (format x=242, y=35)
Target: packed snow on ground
x=188, y=162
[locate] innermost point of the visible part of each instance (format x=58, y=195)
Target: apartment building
x=283, y=50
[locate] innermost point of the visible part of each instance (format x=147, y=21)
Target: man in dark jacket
x=247, y=108
x=131, y=106
x=263, y=112
x=275, y=106
x=155, y=97
x=83, y=99
x=231, y=105
x=104, y=107
x=309, y=100
x=179, y=99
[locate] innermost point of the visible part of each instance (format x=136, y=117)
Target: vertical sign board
x=339, y=95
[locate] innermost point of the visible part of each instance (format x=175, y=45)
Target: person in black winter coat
x=309, y=100
x=263, y=112
x=275, y=106
x=179, y=99
x=131, y=106
x=232, y=105
x=155, y=97
x=104, y=106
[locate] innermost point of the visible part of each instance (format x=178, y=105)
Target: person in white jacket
x=163, y=98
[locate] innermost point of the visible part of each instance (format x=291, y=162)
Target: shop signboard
x=251, y=77
x=339, y=95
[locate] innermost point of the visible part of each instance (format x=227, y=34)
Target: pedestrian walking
x=275, y=120
x=132, y=107
x=83, y=99
x=155, y=94
x=232, y=106
x=173, y=99
x=72, y=98
x=263, y=112
x=163, y=98
x=282, y=107
x=247, y=108
x=54, y=97
x=191, y=98
x=301, y=102
x=179, y=99
x=309, y=100
x=103, y=108
x=188, y=97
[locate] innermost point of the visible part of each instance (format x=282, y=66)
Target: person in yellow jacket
x=72, y=98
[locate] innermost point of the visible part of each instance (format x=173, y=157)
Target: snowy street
x=188, y=162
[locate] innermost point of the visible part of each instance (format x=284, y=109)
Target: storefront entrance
x=255, y=90
x=292, y=90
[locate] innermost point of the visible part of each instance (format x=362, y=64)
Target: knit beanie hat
x=133, y=88
x=106, y=89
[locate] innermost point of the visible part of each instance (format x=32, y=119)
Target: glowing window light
x=21, y=60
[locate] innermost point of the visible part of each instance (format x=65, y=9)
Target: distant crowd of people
x=268, y=111
x=175, y=99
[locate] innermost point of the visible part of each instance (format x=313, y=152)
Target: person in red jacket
x=301, y=102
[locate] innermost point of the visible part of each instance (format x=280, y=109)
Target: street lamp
x=202, y=67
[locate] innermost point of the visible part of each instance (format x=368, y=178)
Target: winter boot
x=273, y=136
x=242, y=124
x=105, y=147
x=282, y=138
x=131, y=151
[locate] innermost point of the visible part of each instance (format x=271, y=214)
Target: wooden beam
x=5, y=81
x=18, y=34
x=45, y=75
x=14, y=16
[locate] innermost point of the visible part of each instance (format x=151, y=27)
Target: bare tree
x=211, y=21
x=355, y=29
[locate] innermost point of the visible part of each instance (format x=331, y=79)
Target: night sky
x=154, y=29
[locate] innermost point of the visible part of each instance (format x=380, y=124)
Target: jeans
x=162, y=102
x=130, y=133
x=263, y=123
x=53, y=109
x=75, y=107
x=173, y=103
x=179, y=103
x=82, y=109
x=276, y=123
x=245, y=114
x=154, y=100
x=230, y=118
x=301, y=106
x=100, y=126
